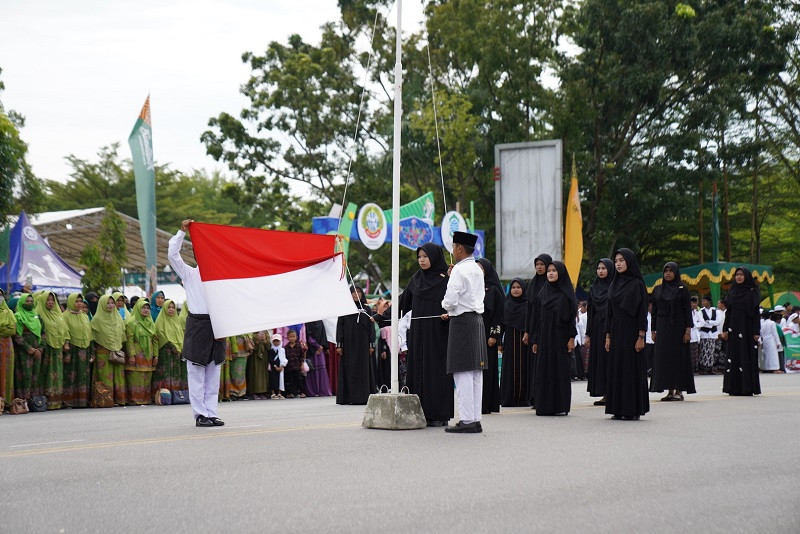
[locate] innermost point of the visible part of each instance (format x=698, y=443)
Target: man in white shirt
x=694, y=340
x=580, y=326
x=710, y=328
x=649, y=344
x=720, y=352
x=203, y=354
x=466, y=344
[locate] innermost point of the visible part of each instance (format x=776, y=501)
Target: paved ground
x=710, y=464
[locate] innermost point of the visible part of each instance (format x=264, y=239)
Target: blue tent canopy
x=32, y=260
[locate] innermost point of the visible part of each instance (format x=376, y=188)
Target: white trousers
x=469, y=386
x=204, y=388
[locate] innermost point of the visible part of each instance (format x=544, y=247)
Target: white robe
x=770, y=343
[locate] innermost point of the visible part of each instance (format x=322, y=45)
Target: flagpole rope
x=360, y=110
x=436, y=123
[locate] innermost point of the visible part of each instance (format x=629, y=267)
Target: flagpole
x=398, y=114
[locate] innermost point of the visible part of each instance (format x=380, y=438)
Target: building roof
x=67, y=232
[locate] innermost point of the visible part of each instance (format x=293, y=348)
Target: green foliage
x=20, y=189
x=110, y=179
x=104, y=258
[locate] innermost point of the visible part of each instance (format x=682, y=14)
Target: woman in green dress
x=119, y=299
x=77, y=362
x=108, y=379
x=142, y=351
x=241, y=347
x=8, y=327
x=170, y=372
x=28, y=364
x=55, y=337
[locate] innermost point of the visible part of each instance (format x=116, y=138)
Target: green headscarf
x=80, y=329
x=168, y=328
x=184, y=313
x=141, y=328
x=123, y=311
x=108, y=329
x=27, y=317
x=55, y=328
x=8, y=323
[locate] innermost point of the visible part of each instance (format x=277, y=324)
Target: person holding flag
x=203, y=353
x=466, y=343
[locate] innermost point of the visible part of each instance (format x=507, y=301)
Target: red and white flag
x=258, y=279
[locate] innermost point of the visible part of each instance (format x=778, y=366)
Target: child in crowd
x=295, y=355
x=277, y=363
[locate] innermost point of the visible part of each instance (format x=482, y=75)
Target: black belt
x=199, y=315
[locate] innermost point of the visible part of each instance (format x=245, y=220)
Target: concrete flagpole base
x=394, y=411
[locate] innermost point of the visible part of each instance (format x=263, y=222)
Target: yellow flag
x=573, y=230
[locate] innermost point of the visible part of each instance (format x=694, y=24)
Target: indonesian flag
x=258, y=279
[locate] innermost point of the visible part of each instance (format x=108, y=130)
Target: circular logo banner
x=452, y=222
x=372, y=227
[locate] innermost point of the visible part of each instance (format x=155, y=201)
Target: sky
x=79, y=71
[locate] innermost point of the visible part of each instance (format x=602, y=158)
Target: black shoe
x=202, y=420
x=463, y=428
x=437, y=423
x=217, y=421
x=478, y=426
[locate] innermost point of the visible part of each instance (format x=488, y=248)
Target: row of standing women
x=88, y=354
x=534, y=324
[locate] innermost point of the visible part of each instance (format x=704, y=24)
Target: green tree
x=20, y=189
x=104, y=258
x=110, y=179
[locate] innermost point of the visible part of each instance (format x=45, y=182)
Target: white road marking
x=47, y=443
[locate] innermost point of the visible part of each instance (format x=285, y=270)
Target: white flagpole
x=398, y=115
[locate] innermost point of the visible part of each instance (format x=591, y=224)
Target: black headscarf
x=316, y=330
x=628, y=287
x=91, y=301
x=516, y=308
x=537, y=282
x=430, y=283
x=670, y=290
x=743, y=297
x=599, y=290
x=490, y=276
x=559, y=296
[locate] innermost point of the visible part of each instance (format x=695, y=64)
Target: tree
x=20, y=189
x=104, y=258
x=650, y=91
x=110, y=179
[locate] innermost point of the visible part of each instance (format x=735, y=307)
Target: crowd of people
x=624, y=342
x=103, y=350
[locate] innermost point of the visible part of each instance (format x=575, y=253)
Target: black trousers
x=275, y=381
x=577, y=363
x=295, y=382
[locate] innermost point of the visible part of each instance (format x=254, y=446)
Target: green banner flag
x=423, y=207
x=346, y=226
x=144, y=169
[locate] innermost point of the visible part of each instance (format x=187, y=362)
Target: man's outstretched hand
x=185, y=225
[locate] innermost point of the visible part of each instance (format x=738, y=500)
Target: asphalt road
x=712, y=463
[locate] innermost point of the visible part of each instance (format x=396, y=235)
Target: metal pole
x=398, y=115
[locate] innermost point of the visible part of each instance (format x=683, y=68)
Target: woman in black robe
x=355, y=344
x=516, y=353
x=626, y=325
x=427, y=338
x=671, y=323
x=532, y=291
x=553, y=342
x=595, y=327
x=493, y=323
x=742, y=329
